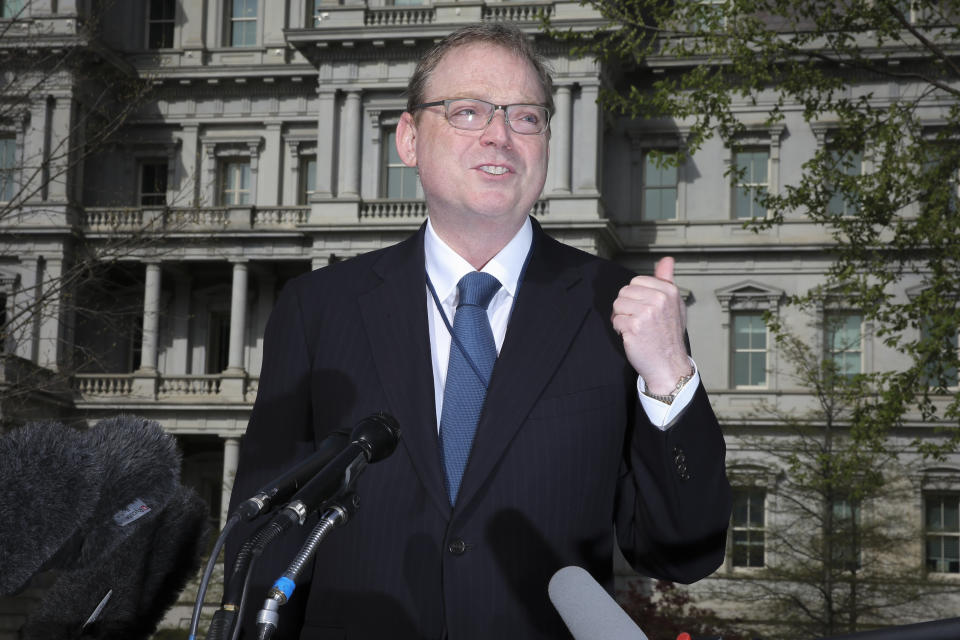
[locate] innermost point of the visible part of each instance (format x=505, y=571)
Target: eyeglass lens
x=473, y=115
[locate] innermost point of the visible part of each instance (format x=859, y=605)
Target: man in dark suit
x=587, y=428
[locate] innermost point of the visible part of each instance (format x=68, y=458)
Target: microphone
x=98, y=520
x=587, y=609
x=282, y=487
x=372, y=439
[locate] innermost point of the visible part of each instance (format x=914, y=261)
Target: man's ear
x=407, y=139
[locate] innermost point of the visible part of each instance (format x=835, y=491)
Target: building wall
x=198, y=286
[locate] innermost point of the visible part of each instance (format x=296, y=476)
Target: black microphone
x=587, y=609
x=281, y=488
x=372, y=439
x=97, y=519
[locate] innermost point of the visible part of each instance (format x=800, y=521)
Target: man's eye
x=527, y=116
x=463, y=112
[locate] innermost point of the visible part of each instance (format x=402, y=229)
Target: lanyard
x=446, y=322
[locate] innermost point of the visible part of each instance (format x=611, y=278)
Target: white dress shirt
x=445, y=268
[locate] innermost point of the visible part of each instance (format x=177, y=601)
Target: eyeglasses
x=474, y=115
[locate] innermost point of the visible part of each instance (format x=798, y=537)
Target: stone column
x=151, y=319
x=186, y=181
x=26, y=309
x=231, y=456
x=238, y=318
x=291, y=185
x=51, y=311
x=326, y=123
x=560, y=129
x=179, y=358
x=587, y=141
x=146, y=378
x=349, y=183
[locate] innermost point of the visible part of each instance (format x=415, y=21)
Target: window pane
x=410, y=183
x=935, y=514
x=844, y=342
x=244, y=8
x=394, y=182
x=951, y=522
x=749, y=350
x=162, y=9
x=7, y=168
x=153, y=183
x=236, y=181
x=756, y=508
x=659, y=190
x=951, y=550
x=740, y=507
x=12, y=8
x=747, y=524
x=758, y=369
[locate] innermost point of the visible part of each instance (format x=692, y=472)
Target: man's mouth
x=493, y=169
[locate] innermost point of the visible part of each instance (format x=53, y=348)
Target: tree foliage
x=881, y=78
x=841, y=541
x=45, y=63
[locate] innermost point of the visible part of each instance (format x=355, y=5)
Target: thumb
x=664, y=269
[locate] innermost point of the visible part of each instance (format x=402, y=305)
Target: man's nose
x=497, y=131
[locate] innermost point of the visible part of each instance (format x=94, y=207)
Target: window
x=749, y=350
x=948, y=377
x=160, y=24
x=218, y=341
x=846, y=535
x=12, y=8
x=8, y=156
x=748, y=527
x=235, y=182
x=850, y=164
x=942, y=520
x=243, y=23
x=707, y=15
x=752, y=183
x=401, y=180
x=308, y=178
x=153, y=183
x=843, y=341
x=659, y=189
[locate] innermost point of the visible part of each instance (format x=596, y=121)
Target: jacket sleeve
x=673, y=498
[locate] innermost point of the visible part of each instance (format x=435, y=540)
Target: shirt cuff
x=660, y=414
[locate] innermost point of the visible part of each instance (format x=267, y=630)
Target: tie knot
x=477, y=288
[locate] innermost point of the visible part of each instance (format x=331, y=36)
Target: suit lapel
x=551, y=305
x=394, y=315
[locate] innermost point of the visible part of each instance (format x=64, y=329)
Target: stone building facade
x=264, y=149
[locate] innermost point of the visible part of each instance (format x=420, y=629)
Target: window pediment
x=749, y=295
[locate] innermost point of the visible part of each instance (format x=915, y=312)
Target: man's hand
x=650, y=317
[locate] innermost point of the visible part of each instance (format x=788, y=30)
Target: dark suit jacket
x=563, y=456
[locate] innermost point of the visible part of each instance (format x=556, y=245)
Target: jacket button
x=457, y=547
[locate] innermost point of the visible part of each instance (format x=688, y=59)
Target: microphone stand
x=339, y=511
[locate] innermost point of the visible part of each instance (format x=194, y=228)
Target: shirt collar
x=445, y=267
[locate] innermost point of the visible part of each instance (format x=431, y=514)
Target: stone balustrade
x=137, y=388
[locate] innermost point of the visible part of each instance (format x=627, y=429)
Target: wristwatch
x=668, y=398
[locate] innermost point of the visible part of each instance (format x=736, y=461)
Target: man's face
x=475, y=179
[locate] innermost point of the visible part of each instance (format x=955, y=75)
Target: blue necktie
x=472, y=355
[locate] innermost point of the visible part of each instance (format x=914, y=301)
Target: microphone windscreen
x=134, y=541
x=587, y=609
x=50, y=488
